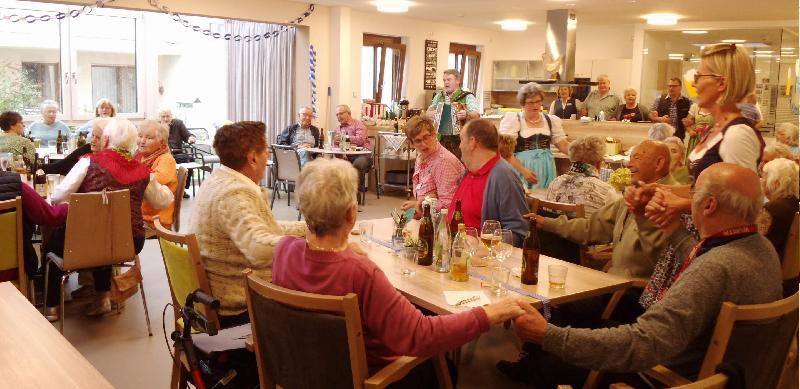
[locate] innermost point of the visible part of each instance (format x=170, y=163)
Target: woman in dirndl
x=526, y=138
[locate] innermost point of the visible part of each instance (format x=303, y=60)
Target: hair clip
x=733, y=46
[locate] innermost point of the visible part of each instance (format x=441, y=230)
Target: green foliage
x=17, y=91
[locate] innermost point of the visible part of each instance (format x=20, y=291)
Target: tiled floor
x=119, y=347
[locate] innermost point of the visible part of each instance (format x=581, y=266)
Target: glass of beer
x=557, y=275
x=488, y=236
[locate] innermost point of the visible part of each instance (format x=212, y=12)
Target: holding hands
x=531, y=326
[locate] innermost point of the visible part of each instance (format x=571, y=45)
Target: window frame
x=380, y=43
x=462, y=52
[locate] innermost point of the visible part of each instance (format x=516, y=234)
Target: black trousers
x=183, y=158
x=102, y=276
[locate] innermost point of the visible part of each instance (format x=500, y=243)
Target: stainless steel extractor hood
x=559, y=51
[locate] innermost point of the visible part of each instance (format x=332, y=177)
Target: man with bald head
x=301, y=135
x=637, y=241
x=732, y=262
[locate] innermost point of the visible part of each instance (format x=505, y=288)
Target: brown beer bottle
x=60, y=143
x=426, y=235
x=530, y=255
x=458, y=218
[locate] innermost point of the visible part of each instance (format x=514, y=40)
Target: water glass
x=500, y=275
x=503, y=249
x=397, y=247
x=365, y=232
x=410, y=255
x=51, y=144
x=52, y=181
x=557, y=275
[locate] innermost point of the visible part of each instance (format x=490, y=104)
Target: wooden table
x=32, y=352
x=426, y=286
x=336, y=151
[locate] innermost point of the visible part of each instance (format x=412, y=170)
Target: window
x=382, y=64
x=75, y=61
x=467, y=60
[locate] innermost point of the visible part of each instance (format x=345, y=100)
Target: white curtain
x=261, y=75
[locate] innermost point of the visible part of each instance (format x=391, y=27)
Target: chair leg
x=274, y=193
x=46, y=282
x=62, y=312
x=442, y=372
x=146, y=312
x=288, y=195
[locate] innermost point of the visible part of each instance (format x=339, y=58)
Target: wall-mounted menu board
x=431, y=48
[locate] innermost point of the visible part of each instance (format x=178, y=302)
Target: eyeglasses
x=698, y=75
x=674, y=86
x=533, y=102
x=422, y=139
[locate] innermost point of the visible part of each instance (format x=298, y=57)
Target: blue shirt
x=46, y=133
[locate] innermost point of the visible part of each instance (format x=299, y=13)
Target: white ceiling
x=483, y=13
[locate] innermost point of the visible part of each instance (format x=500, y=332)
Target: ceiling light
x=788, y=55
x=762, y=51
x=787, y=48
x=695, y=32
x=733, y=41
x=392, y=6
x=694, y=60
x=514, y=25
x=662, y=19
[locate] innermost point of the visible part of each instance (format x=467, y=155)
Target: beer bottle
x=426, y=235
x=59, y=143
x=458, y=218
x=530, y=255
x=459, y=257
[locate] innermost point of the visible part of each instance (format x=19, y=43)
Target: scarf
x=150, y=159
x=584, y=168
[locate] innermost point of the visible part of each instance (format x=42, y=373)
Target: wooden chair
x=790, y=263
x=756, y=337
x=373, y=170
x=716, y=381
x=11, y=256
x=287, y=170
x=295, y=333
x=106, y=241
x=185, y=274
x=552, y=244
x=183, y=175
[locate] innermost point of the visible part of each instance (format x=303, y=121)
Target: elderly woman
x=774, y=151
x=325, y=263
x=112, y=168
x=436, y=171
x=631, y=110
x=48, y=128
x=153, y=152
x=565, y=105
x=11, y=140
x=660, y=131
x=582, y=183
x=232, y=219
x=677, y=155
x=781, y=185
x=103, y=109
x=526, y=137
x=787, y=133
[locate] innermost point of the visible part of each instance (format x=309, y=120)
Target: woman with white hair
x=774, y=151
x=325, y=263
x=112, y=168
x=154, y=153
x=526, y=137
x=47, y=129
x=677, y=158
x=787, y=133
x=582, y=183
x=660, y=131
x=780, y=182
x=631, y=110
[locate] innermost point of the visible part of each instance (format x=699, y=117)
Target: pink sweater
x=392, y=325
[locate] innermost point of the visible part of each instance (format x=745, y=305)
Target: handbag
x=126, y=284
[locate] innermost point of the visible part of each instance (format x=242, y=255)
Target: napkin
x=452, y=297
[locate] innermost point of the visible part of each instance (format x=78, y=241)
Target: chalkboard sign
x=431, y=48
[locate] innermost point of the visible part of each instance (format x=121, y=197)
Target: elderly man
x=602, y=99
x=451, y=107
x=489, y=190
x=301, y=135
x=358, y=136
x=671, y=107
x=436, y=170
x=177, y=135
x=732, y=262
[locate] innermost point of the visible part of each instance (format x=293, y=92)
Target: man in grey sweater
x=732, y=262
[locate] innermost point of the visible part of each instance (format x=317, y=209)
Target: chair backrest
x=98, y=229
x=790, y=263
x=11, y=256
x=551, y=244
x=756, y=338
x=199, y=133
x=287, y=162
x=183, y=175
x=185, y=269
x=295, y=333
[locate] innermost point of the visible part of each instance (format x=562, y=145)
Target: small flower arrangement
x=620, y=178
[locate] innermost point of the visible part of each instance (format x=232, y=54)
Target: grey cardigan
x=504, y=200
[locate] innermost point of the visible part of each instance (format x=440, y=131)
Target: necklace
x=537, y=120
x=326, y=249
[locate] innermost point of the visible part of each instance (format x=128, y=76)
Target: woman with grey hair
x=112, y=168
x=660, y=131
x=631, y=110
x=154, y=153
x=526, y=137
x=780, y=182
x=325, y=263
x=47, y=129
x=677, y=158
x=787, y=133
x=582, y=183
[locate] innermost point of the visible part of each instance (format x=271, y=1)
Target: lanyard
x=727, y=233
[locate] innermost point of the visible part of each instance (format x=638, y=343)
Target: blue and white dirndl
x=542, y=163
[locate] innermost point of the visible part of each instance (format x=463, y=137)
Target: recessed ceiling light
x=695, y=32
x=787, y=48
x=392, y=6
x=762, y=51
x=662, y=19
x=514, y=25
x=733, y=41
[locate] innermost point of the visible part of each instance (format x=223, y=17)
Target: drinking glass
x=51, y=144
x=472, y=239
x=52, y=182
x=500, y=275
x=505, y=246
x=365, y=232
x=488, y=238
x=410, y=255
x=397, y=245
x=557, y=275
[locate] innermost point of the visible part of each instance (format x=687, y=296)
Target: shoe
x=100, y=307
x=51, y=314
x=83, y=291
x=186, y=195
x=515, y=370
